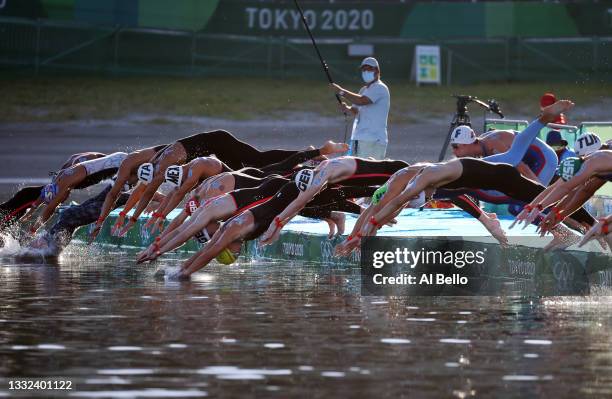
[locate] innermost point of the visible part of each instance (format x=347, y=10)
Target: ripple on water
x=519, y=377
x=395, y=341
x=421, y=319
x=110, y=381
x=52, y=347
x=333, y=374
x=236, y=373
x=125, y=371
x=176, y=346
x=142, y=393
x=124, y=348
x=538, y=342
x=274, y=345
x=455, y=341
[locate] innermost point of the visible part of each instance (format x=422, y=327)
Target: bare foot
x=333, y=148
x=332, y=227
x=550, y=113
x=340, y=219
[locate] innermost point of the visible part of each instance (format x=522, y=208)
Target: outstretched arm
x=132, y=200
x=291, y=210
x=221, y=240
x=111, y=199
x=177, y=195
x=428, y=177
x=565, y=187
x=49, y=209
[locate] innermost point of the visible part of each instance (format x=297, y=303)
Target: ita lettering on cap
x=145, y=173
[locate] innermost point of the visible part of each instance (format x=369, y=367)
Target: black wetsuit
x=466, y=203
x=96, y=178
x=235, y=153
x=479, y=174
x=331, y=198
x=245, y=198
x=17, y=206
x=372, y=173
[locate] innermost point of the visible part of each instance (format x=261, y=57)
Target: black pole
x=314, y=43
x=323, y=63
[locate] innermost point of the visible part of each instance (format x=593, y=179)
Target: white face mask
x=367, y=76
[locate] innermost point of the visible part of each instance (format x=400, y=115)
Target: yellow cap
x=226, y=257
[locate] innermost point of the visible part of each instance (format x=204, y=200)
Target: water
x=281, y=330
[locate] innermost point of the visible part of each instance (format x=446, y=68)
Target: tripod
x=462, y=117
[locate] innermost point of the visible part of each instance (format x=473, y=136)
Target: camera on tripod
x=462, y=101
x=462, y=117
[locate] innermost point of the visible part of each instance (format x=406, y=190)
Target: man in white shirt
x=371, y=109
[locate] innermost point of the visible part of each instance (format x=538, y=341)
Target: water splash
x=11, y=245
x=42, y=246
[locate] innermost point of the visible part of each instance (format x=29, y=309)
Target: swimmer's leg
x=520, y=145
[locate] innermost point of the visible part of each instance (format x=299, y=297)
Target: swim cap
x=569, y=167
x=587, y=143
x=174, y=175
x=463, y=135
x=226, y=257
x=191, y=206
x=202, y=236
x=378, y=194
x=49, y=192
x=303, y=179
x=145, y=173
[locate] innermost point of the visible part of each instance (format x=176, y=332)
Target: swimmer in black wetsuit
x=345, y=171
x=251, y=223
x=469, y=173
x=213, y=187
x=394, y=186
x=225, y=206
x=227, y=148
x=195, y=173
